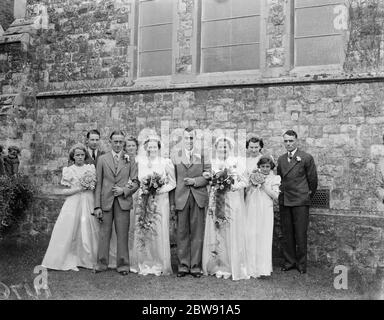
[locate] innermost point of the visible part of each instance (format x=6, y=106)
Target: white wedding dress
x=155, y=256
x=75, y=235
x=259, y=226
x=224, y=249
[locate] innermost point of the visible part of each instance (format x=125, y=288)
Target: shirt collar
x=293, y=152
x=114, y=153
x=188, y=152
x=90, y=151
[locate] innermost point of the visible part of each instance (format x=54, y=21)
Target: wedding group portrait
x=191, y=150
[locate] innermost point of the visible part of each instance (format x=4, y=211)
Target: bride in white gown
x=74, y=237
x=155, y=256
x=224, y=248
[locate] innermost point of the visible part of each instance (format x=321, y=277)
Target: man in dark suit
x=189, y=199
x=298, y=185
x=93, y=147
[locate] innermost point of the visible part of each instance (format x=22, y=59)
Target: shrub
x=16, y=195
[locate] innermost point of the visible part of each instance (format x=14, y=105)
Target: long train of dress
x=224, y=249
x=75, y=235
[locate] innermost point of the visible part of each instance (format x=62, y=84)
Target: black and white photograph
x=205, y=153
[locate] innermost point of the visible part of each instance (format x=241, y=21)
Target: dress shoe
x=287, y=268
x=98, y=270
x=196, y=274
x=302, y=270
x=124, y=273
x=181, y=274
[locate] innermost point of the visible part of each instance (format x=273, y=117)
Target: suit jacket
x=107, y=178
x=90, y=159
x=183, y=169
x=298, y=179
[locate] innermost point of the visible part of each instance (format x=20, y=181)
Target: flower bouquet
x=257, y=178
x=147, y=206
x=222, y=181
x=88, y=180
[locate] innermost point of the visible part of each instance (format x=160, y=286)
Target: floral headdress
x=152, y=138
x=230, y=141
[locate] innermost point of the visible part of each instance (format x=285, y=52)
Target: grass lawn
x=18, y=261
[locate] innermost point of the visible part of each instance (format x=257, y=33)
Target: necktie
x=290, y=156
x=93, y=154
x=116, y=161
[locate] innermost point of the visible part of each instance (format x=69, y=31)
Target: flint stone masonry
x=6, y=13
x=70, y=67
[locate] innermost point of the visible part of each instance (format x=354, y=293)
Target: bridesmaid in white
x=259, y=205
x=155, y=256
x=224, y=249
x=254, y=147
x=74, y=237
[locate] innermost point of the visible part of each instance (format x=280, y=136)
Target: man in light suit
x=116, y=182
x=189, y=199
x=298, y=185
x=93, y=147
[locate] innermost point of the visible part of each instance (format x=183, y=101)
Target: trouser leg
x=287, y=228
x=122, y=218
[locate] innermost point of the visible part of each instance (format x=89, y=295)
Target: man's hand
x=207, y=175
x=173, y=209
x=189, y=181
x=98, y=213
x=117, y=191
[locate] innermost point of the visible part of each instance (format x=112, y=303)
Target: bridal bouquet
x=257, y=178
x=222, y=181
x=147, y=206
x=88, y=180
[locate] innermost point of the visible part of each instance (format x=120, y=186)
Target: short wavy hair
x=266, y=160
x=290, y=133
x=255, y=140
x=132, y=138
x=79, y=146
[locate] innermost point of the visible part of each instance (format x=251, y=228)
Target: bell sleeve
x=67, y=177
x=272, y=189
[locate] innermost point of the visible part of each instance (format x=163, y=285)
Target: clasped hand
x=189, y=181
x=98, y=213
x=117, y=191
